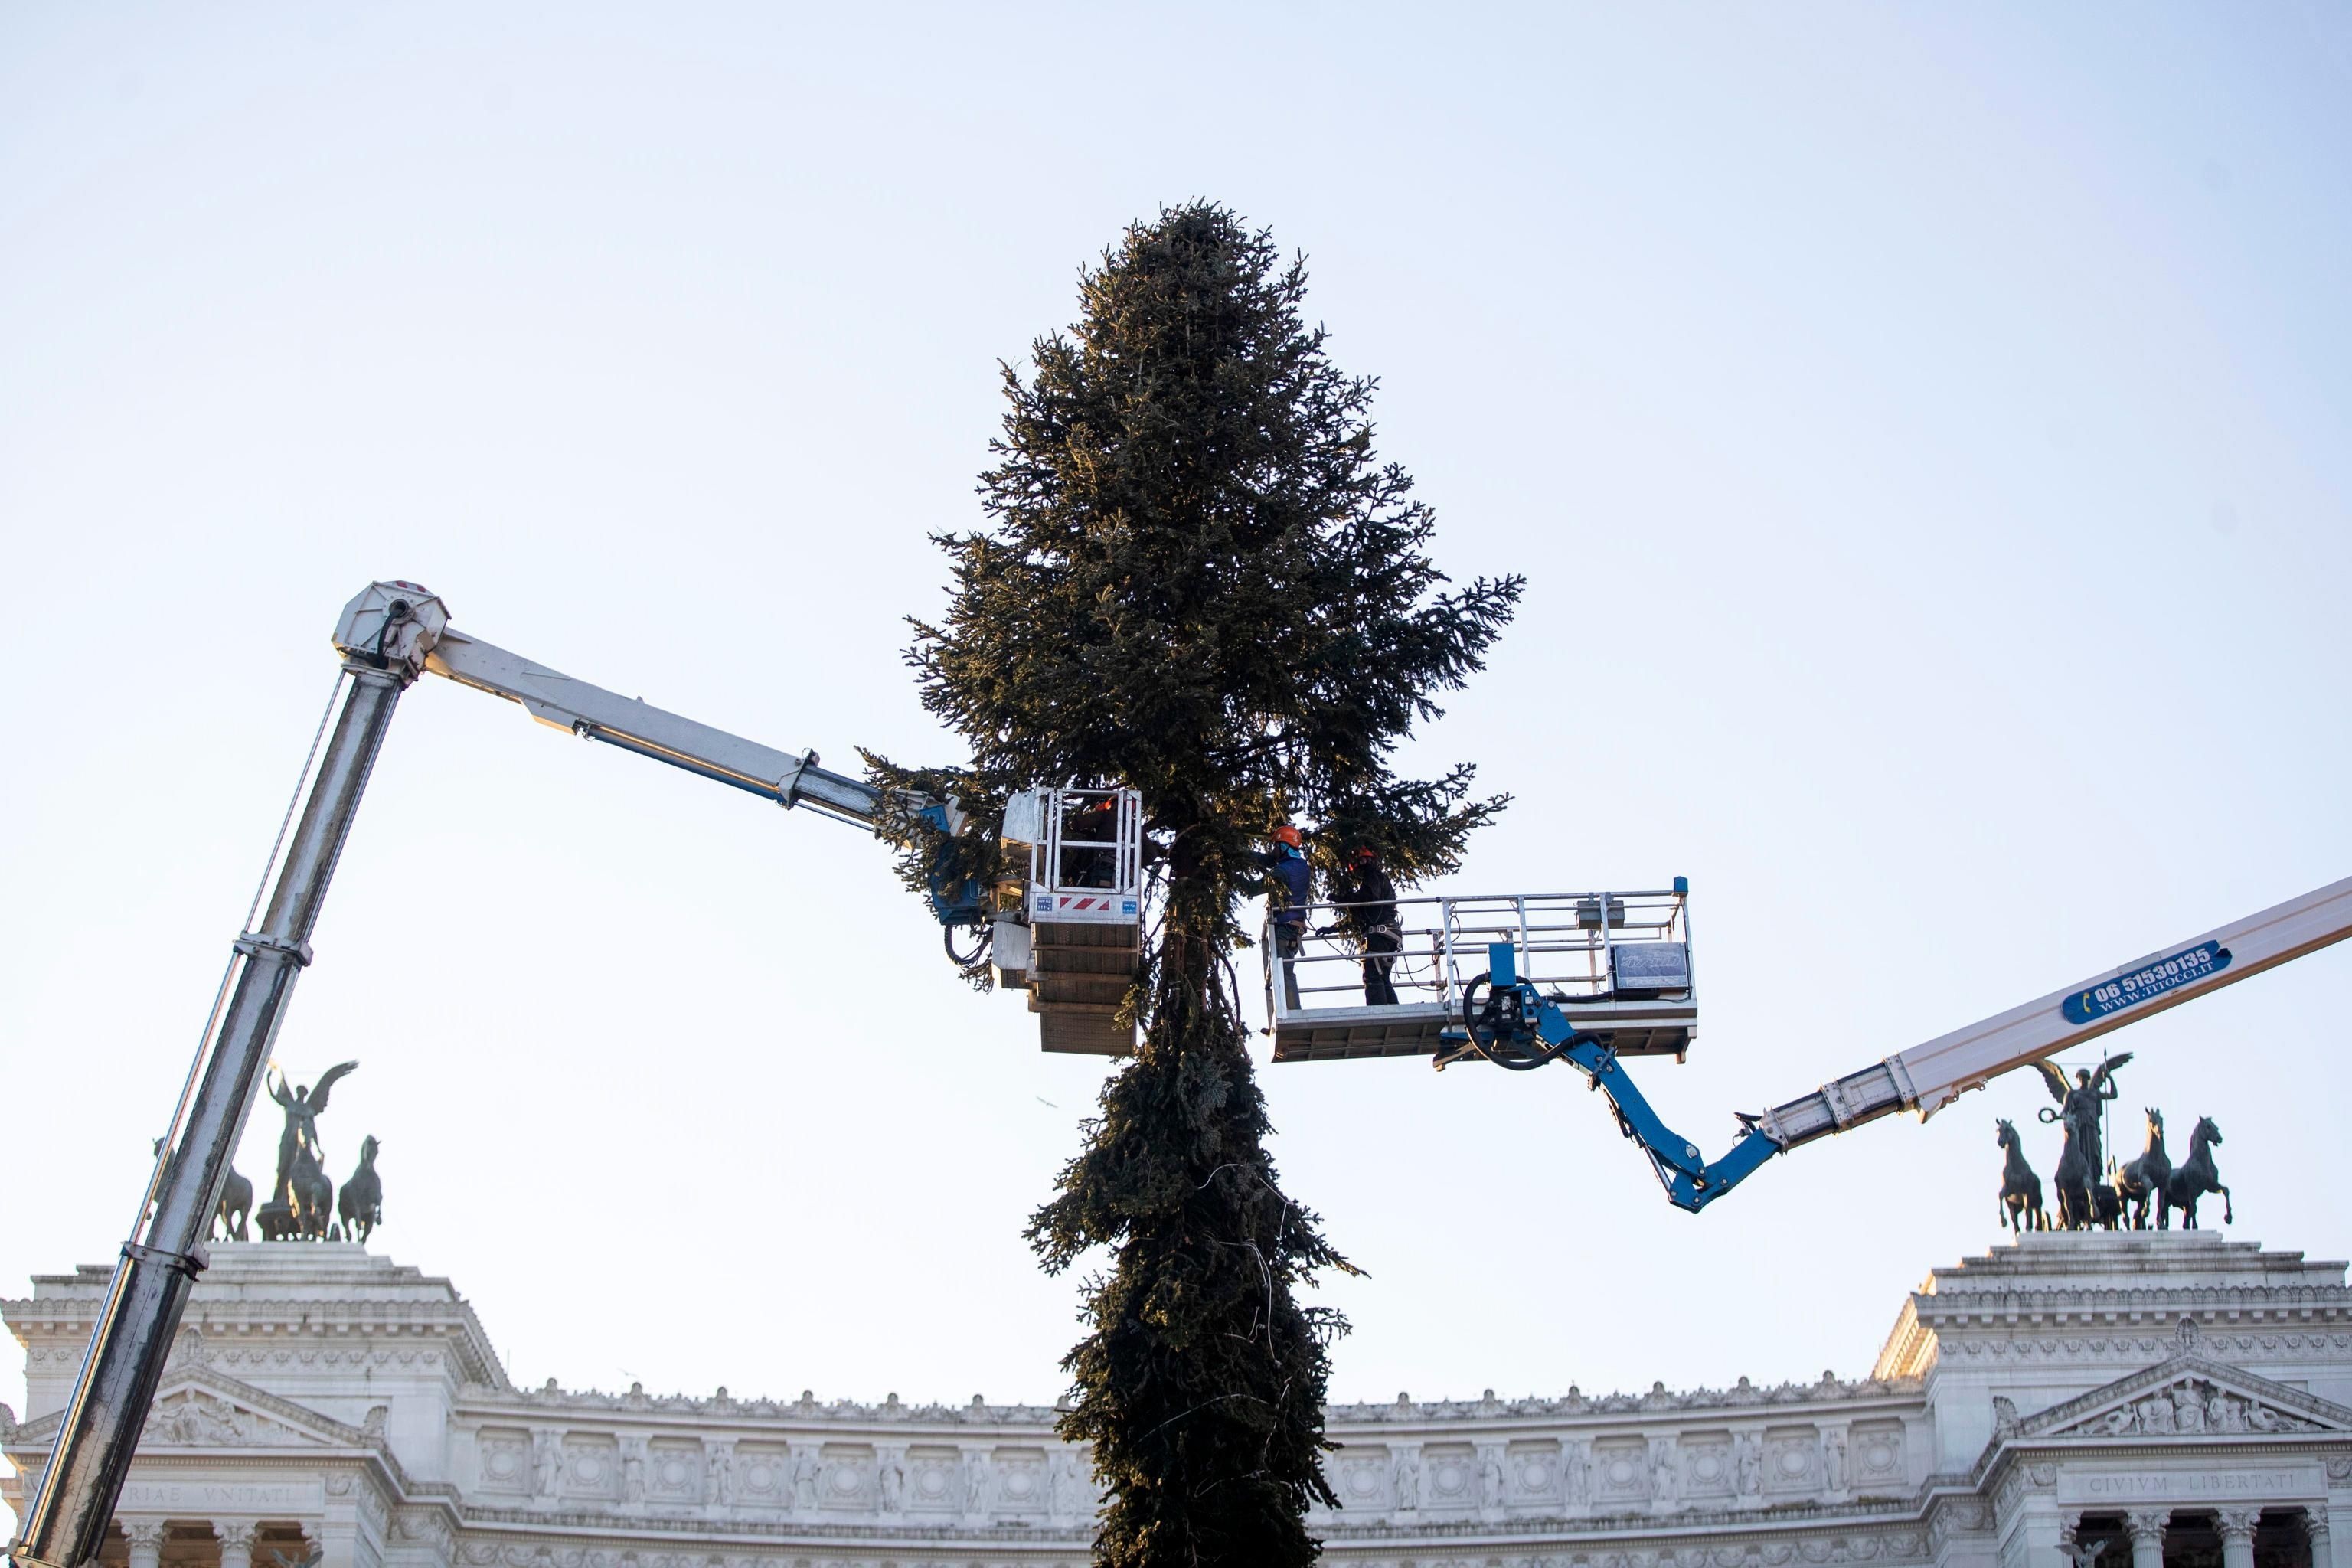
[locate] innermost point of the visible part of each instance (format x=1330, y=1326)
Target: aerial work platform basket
x=1618, y=965
x=1070, y=928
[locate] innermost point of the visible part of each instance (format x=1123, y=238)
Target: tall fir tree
x=1198, y=581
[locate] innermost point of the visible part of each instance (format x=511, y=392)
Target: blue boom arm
x=1517, y=1027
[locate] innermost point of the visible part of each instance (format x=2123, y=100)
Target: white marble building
x=2176, y=1397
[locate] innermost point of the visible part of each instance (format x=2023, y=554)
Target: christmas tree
x=1198, y=581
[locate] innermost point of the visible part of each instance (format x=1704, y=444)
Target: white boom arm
x=635, y=725
x=1926, y=1078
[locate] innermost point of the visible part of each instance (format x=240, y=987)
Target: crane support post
x=65, y=1527
x=1928, y=1077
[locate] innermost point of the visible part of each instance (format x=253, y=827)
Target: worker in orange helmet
x=1291, y=890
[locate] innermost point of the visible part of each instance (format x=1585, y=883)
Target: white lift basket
x=1619, y=964
x=1071, y=935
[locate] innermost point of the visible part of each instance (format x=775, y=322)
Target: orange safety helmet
x=1286, y=834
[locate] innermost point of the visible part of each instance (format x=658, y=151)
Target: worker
x=1368, y=911
x=1090, y=842
x=1291, y=890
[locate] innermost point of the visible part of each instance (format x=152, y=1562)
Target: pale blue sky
x=1922, y=430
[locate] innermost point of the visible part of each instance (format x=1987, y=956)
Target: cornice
x=582, y=1529
x=722, y=1416
x=1574, y=1409
x=285, y=1295
x=527, y=1406
x=2105, y=1284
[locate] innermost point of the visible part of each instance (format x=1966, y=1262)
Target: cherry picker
x=1590, y=979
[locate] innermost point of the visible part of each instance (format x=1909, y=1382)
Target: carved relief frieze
x=890, y=1480
x=1709, y=1472
x=502, y=1455
x=1022, y=1485
x=1537, y=1476
x=590, y=1467
x=934, y=1483
x=763, y=1475
x=633, y=1470
x=1792, y=1461
x=1620, y=1471
x=979, y=1468
x=719, y=1472
x=673, y=1471
x=2189, y=1407
x=1449, y=1476
x=193, y=1418
x=1875, y=1457
x=1360, y=1476
x=424, y=1527
x=808, y=1472
x=847, y=1481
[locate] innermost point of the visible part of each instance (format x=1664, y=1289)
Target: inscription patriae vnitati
x=202, y=1494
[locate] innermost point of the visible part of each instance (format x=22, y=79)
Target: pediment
x=2187, y=1395
x=198, y=1408
x=196, y=1418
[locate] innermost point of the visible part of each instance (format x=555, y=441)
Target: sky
x=1922, y=430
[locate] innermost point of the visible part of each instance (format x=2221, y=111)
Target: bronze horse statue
x=361, y=1203
x=313, y=1197
x=2107, y=1202
x=2144, y=1180
x=2073, y=1179
x=2021, y=1189
x=2196, y=1177
x=236, y=1207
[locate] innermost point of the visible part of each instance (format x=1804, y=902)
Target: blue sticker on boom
x=2151, y=979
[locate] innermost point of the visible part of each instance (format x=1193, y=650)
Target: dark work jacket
x=1294, y=882
x=1373, y=896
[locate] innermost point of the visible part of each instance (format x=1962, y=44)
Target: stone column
x=2069, y=1523
x=2315, y=1534
x=146, y=1540
x=236, y=1541
x=2237, y=1526
x=2146, y=1527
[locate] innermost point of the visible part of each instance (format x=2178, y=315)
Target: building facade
x=2173, y=1398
